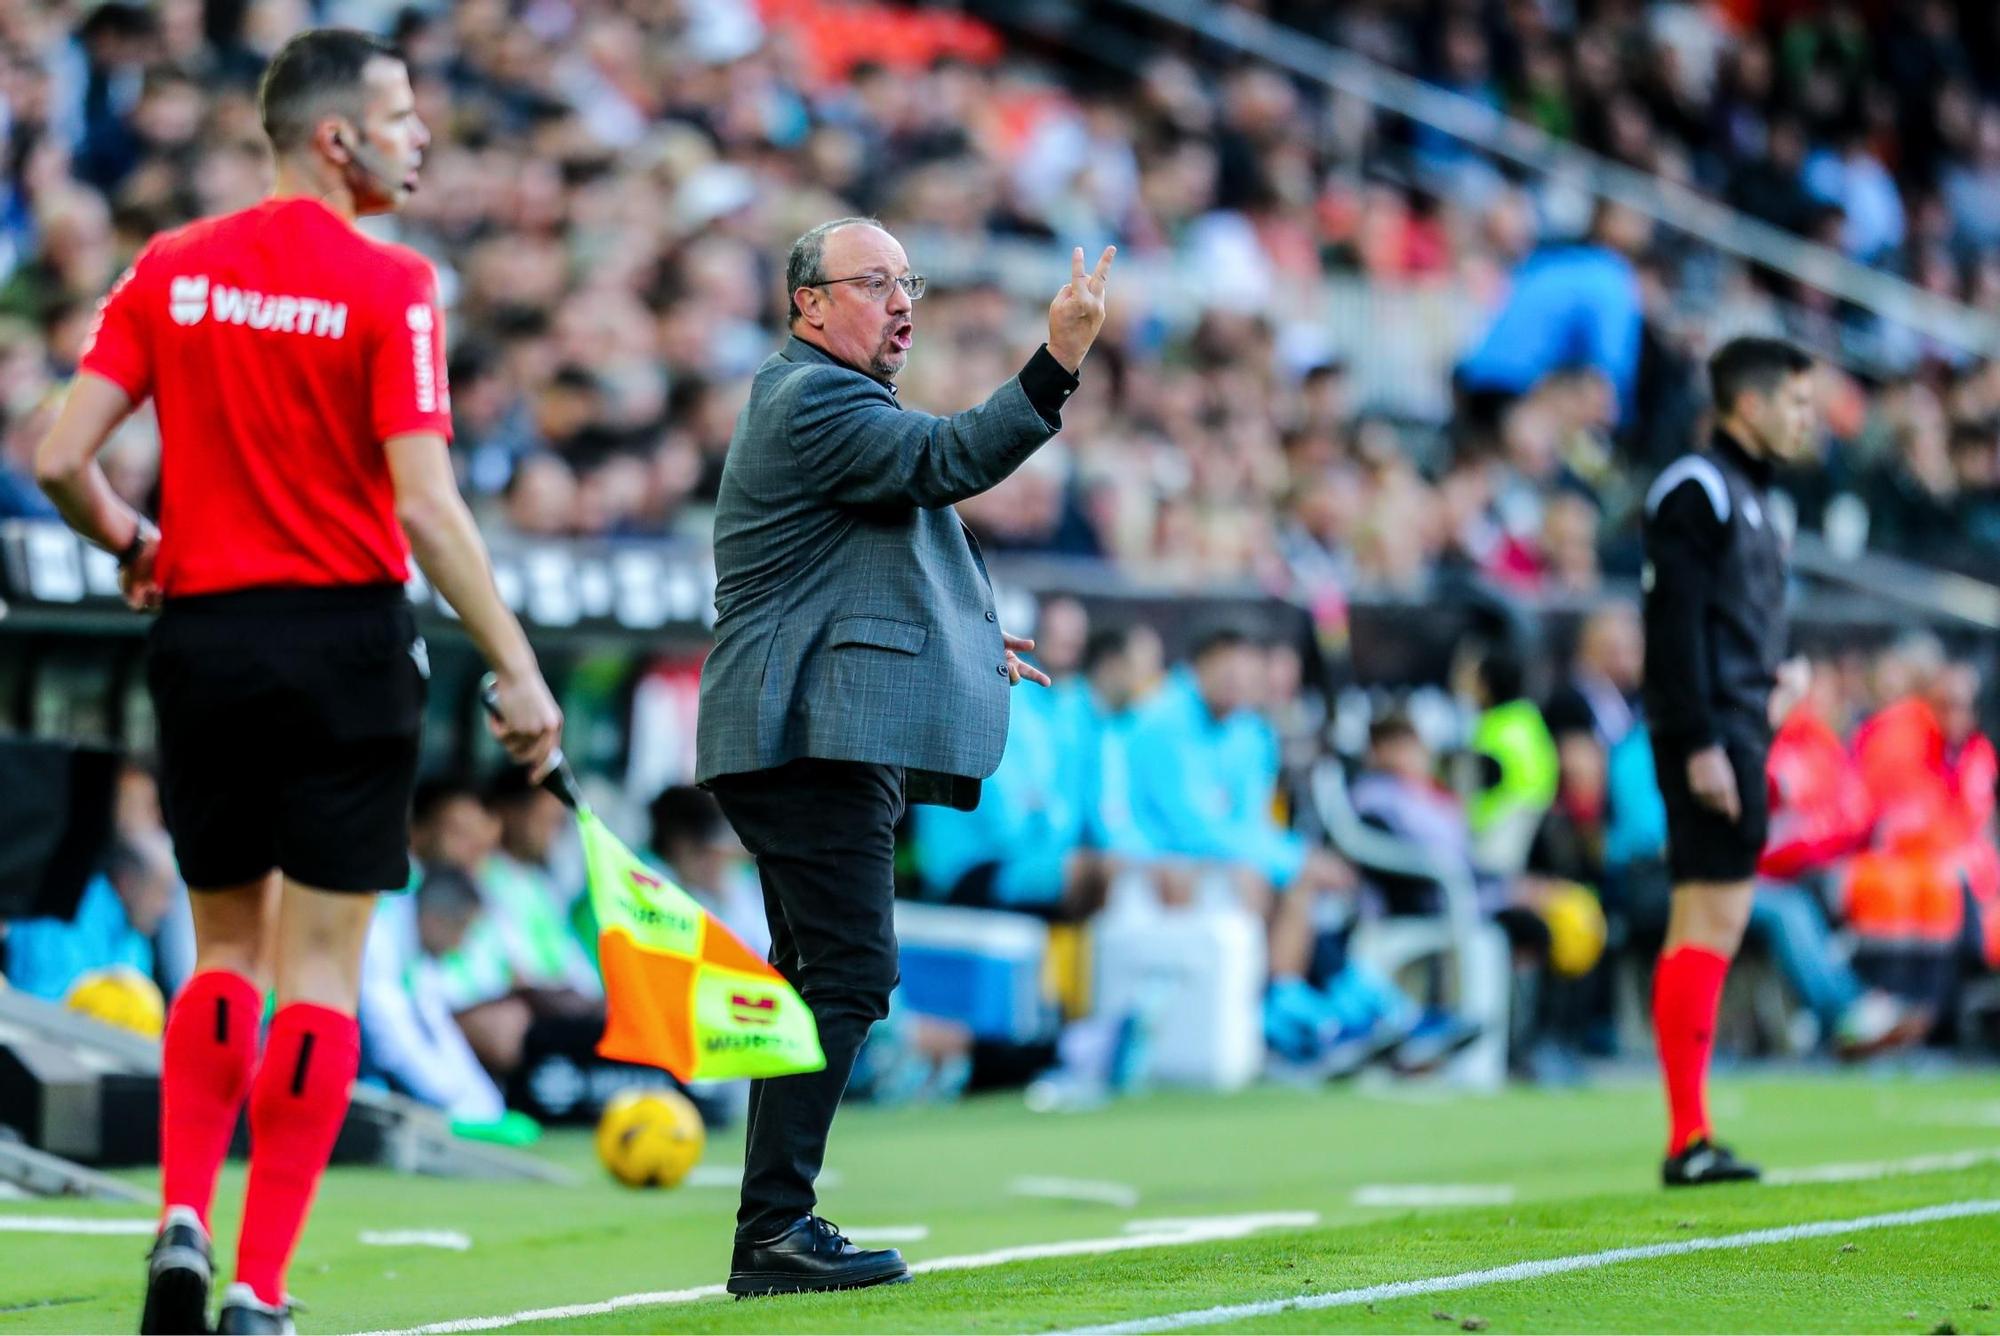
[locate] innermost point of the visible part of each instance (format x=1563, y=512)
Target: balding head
x=847, y=299
x=1612, y=644
x=1954, y=696
x=807, y=263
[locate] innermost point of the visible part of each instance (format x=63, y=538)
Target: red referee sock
x=205, y=1062
x=1687, y=991
x=296, y=1107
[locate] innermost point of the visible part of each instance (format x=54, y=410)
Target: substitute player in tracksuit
x=297, y=369
x=1715, y=645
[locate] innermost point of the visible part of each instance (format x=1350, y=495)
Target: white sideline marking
x=50, y=1224
x=889, y=1234
x=1433, y=1194
x=1196, y=1231
x=731, y=1176
x=1536, y=1270
x=1122, y=1195
x=1182, y=1224
x=1982, y=1114
x=1854, y=1173
x=1501, y=1194
x=1170, y=1233
x=449, y=1239
x=715, y=1176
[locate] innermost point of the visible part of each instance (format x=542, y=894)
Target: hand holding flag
x=681, y=991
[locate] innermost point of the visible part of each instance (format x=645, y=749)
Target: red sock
x=1687, y=990
x=296, y=1107
x=205, y=1062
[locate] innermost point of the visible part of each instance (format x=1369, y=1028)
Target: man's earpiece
x=365, y=161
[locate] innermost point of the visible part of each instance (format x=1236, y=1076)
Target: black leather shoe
x=811, y=1255
x=177, y=1278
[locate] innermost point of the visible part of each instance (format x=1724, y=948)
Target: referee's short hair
x=1754, y=364
x=317, y=73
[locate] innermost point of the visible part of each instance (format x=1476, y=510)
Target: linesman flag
x=681, y=991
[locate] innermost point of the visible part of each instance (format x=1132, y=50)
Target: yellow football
x=650, y=1137
x=120, y=996
x=1576, y=929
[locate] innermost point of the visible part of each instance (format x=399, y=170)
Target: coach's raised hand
x=1077, y=313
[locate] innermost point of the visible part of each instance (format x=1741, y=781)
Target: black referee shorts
x=1702, y=843
x=289, y=723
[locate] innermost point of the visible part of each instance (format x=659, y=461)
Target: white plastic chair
x=1478, y=948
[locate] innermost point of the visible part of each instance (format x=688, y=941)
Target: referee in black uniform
x=1715, y=641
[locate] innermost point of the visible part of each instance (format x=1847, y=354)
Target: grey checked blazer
x=854, y=616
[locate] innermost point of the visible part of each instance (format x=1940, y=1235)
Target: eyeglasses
x=876, y=286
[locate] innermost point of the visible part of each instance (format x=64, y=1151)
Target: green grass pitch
x=1577, y=1171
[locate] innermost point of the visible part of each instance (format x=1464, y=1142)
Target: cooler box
x=982, y=967
x=1198, y=975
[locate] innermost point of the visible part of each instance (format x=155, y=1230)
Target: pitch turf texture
x=1576, y=1170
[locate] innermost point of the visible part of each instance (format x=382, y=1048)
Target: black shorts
x=289, y=724
x=1702, y=843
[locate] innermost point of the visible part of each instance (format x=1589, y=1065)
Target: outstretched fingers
x=1101, y=273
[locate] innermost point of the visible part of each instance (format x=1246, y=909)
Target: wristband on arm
x=130, y=552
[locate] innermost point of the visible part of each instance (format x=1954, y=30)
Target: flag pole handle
x=560, y=780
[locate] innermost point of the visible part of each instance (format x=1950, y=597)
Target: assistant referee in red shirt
x=297, y=368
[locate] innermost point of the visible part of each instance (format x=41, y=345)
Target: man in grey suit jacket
x=858, y=666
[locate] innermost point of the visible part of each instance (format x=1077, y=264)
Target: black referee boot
x=178, y=1273
x=811, y=1255
x=1705, y=1162
x=244, y=1314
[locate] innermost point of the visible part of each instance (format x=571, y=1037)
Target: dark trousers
x=824, y=837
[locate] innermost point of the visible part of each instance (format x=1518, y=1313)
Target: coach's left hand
x=1016, y=669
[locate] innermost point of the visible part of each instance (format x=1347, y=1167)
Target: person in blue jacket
x=114, y=923
x=1033, y=845
x=1573, y=305
x=1203, y=776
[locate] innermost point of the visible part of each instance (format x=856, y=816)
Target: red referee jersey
x=281, y=348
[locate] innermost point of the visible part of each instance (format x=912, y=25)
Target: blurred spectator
x=113, y=925
x=691, y=841
x=133, y=914
x=451, y=826
x=1024, y=847
x=1821, y=812
x=1203, y=771
x=408, y=1035
x=1600, y=696
x=1848, y=175
x=1513, y=768
x=1571, y=306
x=522, y=959
x=1399, y=792
x=1931, y=775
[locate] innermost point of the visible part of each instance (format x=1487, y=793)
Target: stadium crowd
x=609, y=190
x=610, y=186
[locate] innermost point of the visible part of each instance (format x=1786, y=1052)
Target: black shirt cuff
x=1048, y=385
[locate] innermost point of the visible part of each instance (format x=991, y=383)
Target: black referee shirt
x=1715, y=598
